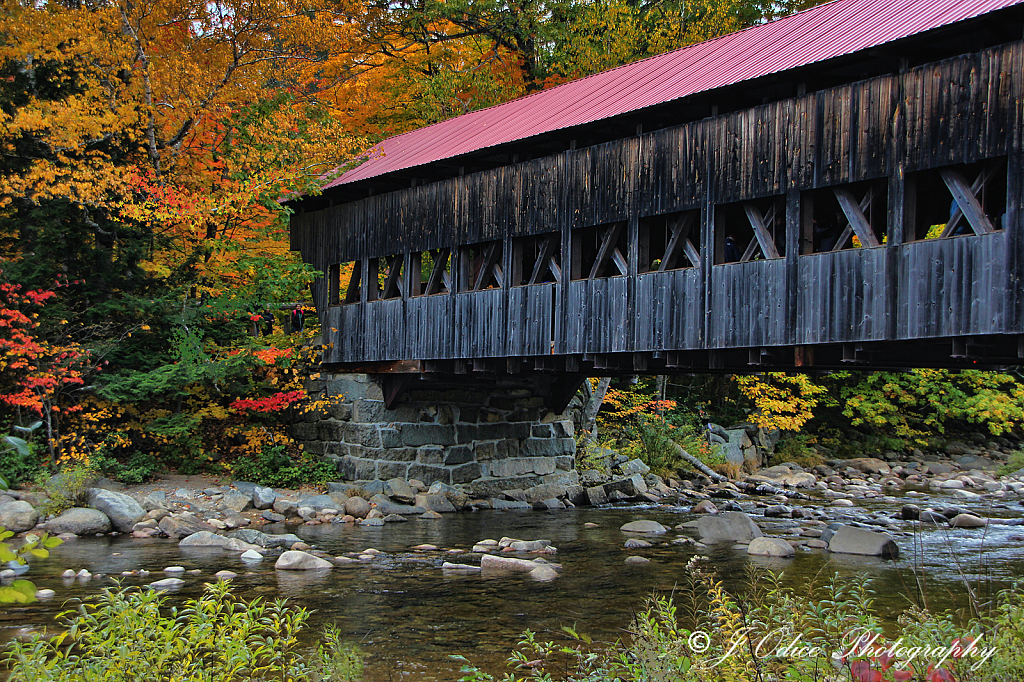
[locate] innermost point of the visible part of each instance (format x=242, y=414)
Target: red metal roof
x=831, y=30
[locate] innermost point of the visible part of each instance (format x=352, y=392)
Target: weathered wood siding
x=953, y=287
x=960, y=110
x=841, y=297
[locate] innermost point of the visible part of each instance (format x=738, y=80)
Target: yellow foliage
x=782, y=401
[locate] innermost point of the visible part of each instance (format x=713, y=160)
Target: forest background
x=146, y=146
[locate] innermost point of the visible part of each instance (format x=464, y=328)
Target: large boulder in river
x=399, y=490
x=122, y=510
x=18, y=516
x=357, y=507
x=79, y=521
x=851, y=540
x=731, y=527
x=644, y=526
x=295, y=560
x=177, y=527
x=869, y=465
x=207, y=539
x=263, y=498
x=771, y=547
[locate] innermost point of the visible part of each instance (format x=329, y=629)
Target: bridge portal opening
x=670, y=242
x=844, y=217
x=750, y=230
x=956, y=201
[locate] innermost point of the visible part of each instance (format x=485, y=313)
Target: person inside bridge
x=732, y=252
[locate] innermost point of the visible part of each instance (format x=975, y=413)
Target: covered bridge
x=838, y=188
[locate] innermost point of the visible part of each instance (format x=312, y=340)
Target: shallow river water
x=408, y=616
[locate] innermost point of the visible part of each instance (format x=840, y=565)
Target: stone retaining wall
x=490, y=437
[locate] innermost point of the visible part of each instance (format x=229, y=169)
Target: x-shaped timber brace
x=546, y=260
x=762, y=235
x=680, y=242
x=608, y=251
x=856, y=218
x=476, y=273
x=967, y=204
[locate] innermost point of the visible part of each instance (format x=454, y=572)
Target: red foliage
x=272, y=403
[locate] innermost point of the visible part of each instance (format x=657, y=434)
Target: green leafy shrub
x=797, y=448
x=124, y=635
x=69, y=488
x=273, y=467
x=1014, y=464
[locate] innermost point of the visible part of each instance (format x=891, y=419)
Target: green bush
x=1014, y=464
x=18, y=461
x=124, y=635
x=69, y=488
x=275, y=468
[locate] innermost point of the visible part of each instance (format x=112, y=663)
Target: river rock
x=777, y=511
x=634, y=466
x=929, y=516
x=167, y=584
x=501, y=563
x=399, y=490
x=285, y=507
x=637, y=560
x=732, y=527
x=967, y=521
x=178, y=527
x=294, y=560
x=869, y=465
x=531, y=546
x=543, y=573
x=357, y=507
x=596, y=495
x=966, y=495
x=251, y=555
x=629, y=487
x=80, y=521
x=434, y=502
x=207, y=539
x=635, y=543
x=237, y=501
x=644, y=526
x=225, y=575
x=263, y=498
x=387, y=506
x=122, y=510
x=18, y=516
x=704, y=507
x=773, y=547
x=910, y=512
x=851, y=540
x=45, y=594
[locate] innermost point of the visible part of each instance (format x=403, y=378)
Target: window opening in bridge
x=953, y=201
x=389, y=276
x=431, y=272
x=536, y=259
x=844, y=217
x=600, y=251
x=480, y=266
x=670, y=242
x=750, y=230
x=343, y=282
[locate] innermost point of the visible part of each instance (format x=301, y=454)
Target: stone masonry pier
x=487, y=435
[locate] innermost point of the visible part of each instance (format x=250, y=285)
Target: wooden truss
x=477, y=270
x=857, y=221
x=608, y=251
x=967, y=205
x=762, y=225
x=679, y=243
x=546, y=262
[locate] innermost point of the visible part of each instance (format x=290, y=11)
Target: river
x=408, y=616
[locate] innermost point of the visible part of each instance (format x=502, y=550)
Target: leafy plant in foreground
x=128, y=634
x=23, y=591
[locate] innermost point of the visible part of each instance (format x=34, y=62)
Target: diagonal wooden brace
x=764, y=238
x=966, y=201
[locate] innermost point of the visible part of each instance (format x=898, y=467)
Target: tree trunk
x=595, y=397
x=699, y=465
